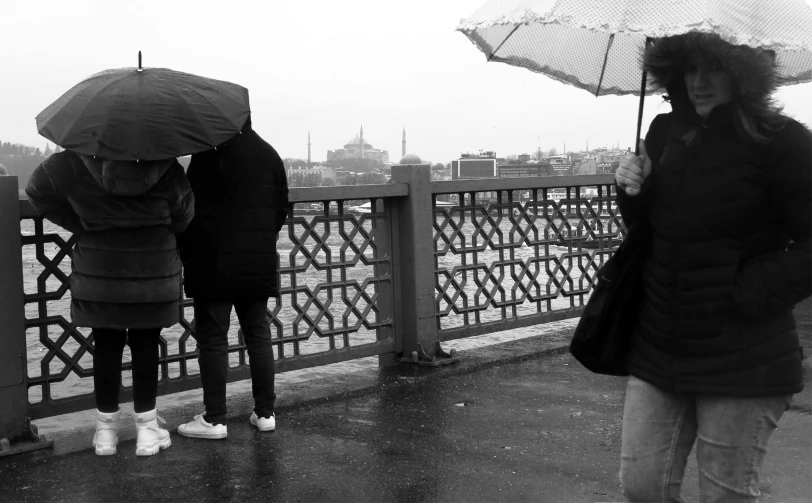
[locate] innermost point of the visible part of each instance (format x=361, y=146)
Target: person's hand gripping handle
x=633, y=171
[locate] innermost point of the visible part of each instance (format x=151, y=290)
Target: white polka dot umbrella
x=598, y=45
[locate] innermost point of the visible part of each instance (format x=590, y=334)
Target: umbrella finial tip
x=139, y=62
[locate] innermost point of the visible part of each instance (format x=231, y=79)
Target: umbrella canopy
x=598, y=46
x=145, y=114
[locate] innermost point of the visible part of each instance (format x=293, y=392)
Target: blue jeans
x=659, y=429
x=212, y=318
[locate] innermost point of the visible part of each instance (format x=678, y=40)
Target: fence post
x=13, y=375
x=414, y=264
x=17, y=434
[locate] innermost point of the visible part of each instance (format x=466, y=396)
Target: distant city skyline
x=404, y=150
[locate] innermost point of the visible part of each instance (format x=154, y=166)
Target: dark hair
x=758, y=121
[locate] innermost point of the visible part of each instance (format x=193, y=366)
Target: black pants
x=109, y=349
x=212, y=319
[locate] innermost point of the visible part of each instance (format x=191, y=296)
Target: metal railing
x=522, y=257
x=354, y=283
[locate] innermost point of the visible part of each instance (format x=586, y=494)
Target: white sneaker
x=262, y=423
x=199, y=428
x=151, y=437
x=106, y=437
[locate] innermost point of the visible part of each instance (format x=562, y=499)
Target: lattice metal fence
x=508, y=253
x=507, y=258
x=336, y=271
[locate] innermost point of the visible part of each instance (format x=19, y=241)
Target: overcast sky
x=325, y=66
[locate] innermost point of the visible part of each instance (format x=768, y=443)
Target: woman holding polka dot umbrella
x=722, y=196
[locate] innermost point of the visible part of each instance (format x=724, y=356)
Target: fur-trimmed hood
x=753, y=73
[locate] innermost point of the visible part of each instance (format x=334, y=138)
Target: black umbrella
x=145, y=114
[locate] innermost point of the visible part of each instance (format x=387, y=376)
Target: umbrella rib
x=79, y=115
x=503, y=41
x=213, y=104
x=193, y=114
x=605, y=59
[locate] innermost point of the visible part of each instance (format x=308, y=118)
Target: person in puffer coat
x=715, y=355
x=126, y=272
x=229, y=257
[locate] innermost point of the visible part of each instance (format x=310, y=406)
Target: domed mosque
x=358, y=148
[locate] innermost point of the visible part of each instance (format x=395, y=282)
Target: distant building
x=559, y=165
x=522, y=170
x=358, y=148
x=587, y=167
x=320, y=172
x=482, y=165
x=610, y=156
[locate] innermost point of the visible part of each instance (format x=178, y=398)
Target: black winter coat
x=731, y=226
x=126, y=270
x=241, y=197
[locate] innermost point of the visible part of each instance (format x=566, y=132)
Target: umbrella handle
x=640, y=108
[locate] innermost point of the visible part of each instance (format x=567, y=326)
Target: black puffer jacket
x=241, y=201
x=126, y=270
x=731, y=221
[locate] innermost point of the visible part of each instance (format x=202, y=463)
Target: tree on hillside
x=552, y=151
x=20, y=160
x=48, y=150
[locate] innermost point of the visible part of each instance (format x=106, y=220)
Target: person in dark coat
x=230, y=260
x=727, y=199
x=126, y=272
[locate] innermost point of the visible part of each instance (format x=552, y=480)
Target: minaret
x=308, y=150
x=404, y=143
x=362, y=141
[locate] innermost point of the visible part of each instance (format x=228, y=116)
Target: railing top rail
x=525, y=183
x=343, y=192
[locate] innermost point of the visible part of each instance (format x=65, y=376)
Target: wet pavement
x=527, y=426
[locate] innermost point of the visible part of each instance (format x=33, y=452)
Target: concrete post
x=13, y=375
x=414, y=261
